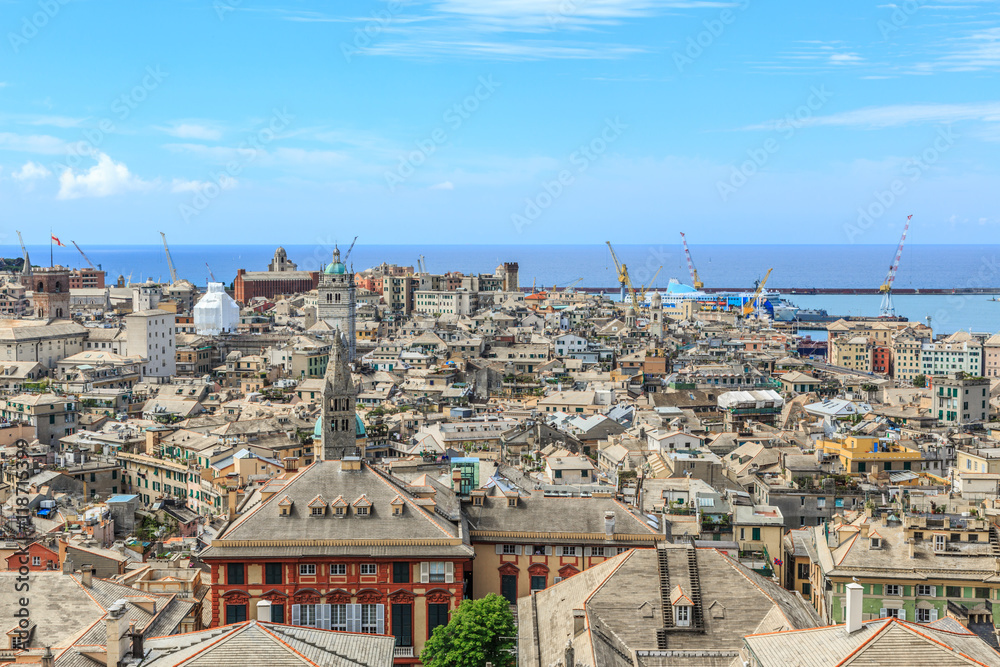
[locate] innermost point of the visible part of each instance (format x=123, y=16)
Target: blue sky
x=500, y=121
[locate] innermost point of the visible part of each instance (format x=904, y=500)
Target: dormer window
x=317, y=506
x=512, y=501
x=682, y=616
x=339, y=512
x=876, y=543
x=317, y=511
x=362, y=511
x=477, y=500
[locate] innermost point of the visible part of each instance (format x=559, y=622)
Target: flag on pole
x=58, y=242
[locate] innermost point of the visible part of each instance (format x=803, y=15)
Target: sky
x=500, y=121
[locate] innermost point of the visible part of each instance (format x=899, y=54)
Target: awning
x=892, y=604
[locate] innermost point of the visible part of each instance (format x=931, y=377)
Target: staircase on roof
x=698, y=622
x=668, y=610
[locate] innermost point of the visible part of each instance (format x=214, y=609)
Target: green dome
x=335, y=268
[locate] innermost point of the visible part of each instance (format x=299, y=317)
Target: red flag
x=58, y=242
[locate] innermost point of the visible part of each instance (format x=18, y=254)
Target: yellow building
x=527, y=542
x=919, y=570
x=865, y=454
x=978, y=460
x=758, y=530
x=853, y=352
x=905, y=351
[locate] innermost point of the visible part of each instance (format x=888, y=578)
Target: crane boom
x=348, y=254
x=695, y=281
x=623, y=278
x=754, y=302
x=84, y=254
x=210, y=274
x=170, y=260
x=26, y=264
x=887, y=309
x=645, y=288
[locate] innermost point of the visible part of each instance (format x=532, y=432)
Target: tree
x=479, y=631
x=920, y=381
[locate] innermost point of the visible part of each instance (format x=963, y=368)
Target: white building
x=951, y=357
x=433, y=302
x=569, y=344
x=151, y=335
x=216, y=312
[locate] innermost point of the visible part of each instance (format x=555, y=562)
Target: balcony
x=402, y=652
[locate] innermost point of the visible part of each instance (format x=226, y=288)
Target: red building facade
x=341, y=546
x=269, y=284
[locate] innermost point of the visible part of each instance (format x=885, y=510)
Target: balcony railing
x=402, y=652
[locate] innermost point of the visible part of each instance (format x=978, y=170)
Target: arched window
x=41, y=288
x=329, y=297
x=337, y=298
x=58, y=287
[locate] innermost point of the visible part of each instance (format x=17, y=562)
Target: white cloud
x=180, y=185
x=447, y=185
x=900, y=114
x=30, y=171
x=32, y=143
x=105, y=178
x=183, y=130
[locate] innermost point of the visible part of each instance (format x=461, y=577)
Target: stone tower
x=656, y=315
x=281, y=263
x=50, y=292
x=335, y=304
x=338, y=421
x=509, y=272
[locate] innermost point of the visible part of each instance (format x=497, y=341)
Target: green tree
x=920, y=380
x=477, y=633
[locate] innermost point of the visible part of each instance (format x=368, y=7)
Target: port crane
x=695, y=280
x=210, y=274
x=753, y=305
x=887, y=309
x=87, y=259
x=170, y=260
x=623, y=278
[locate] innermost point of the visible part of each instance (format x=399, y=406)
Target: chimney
x=87, y=576
x=48, y=659
x=138, y=649
x=115, y=626
x=609, y=523
x=855, y=596
x=232, y=503
x=910, y=547
x=264, y=611
x=456, y=481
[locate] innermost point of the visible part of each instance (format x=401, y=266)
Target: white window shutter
x=380, y=618
x=934, y=613
x=548, y=550
x=587, y=551
x=323, y=614
x=354, y=618
x=295, y=614
x=882, y=613
x=901, y=615
x=518, y=550
x=499, y=549
x=425, y=571
x=934, y=593
x=449, y=573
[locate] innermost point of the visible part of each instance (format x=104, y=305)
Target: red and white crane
x=695, y=281
x=887, y=309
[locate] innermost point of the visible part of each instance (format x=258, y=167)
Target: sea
x=545, y=266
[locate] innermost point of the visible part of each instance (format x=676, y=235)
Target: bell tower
x=336, y=301
x=339, y=421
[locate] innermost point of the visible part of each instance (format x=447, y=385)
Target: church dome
x=335, y=268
